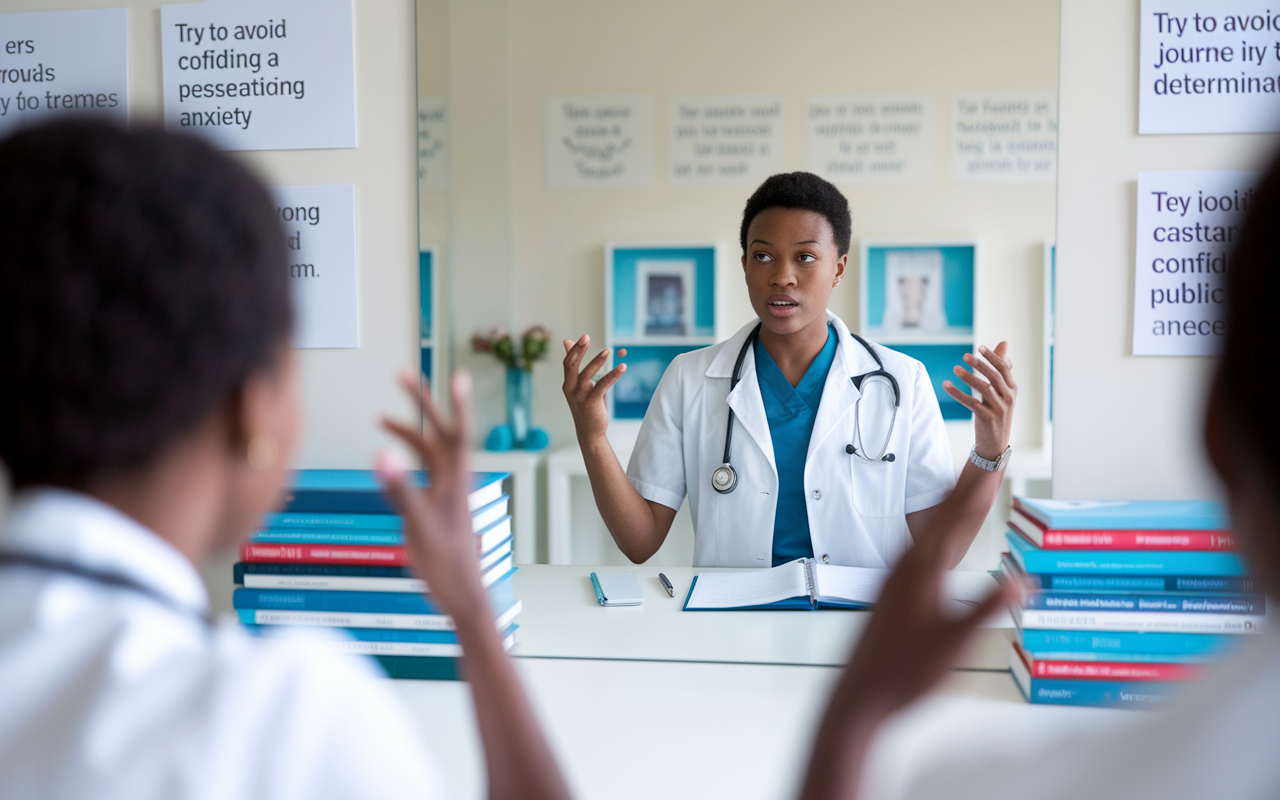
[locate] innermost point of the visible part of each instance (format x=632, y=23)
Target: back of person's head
x=142, y=281
x=804, y=191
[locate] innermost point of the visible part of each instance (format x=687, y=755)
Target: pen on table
x=666, y=584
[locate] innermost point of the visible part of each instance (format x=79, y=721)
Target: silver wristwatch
x=990, y=466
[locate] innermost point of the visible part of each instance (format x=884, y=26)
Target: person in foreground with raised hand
x=437, y=526
x=1219, y=739
x=149, y=416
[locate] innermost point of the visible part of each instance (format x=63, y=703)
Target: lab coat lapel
x=838, y=394
x=748, y=406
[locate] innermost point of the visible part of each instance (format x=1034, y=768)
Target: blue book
x=317, y=536
x=1106, y=694
x=419, y=668
x=243, y=568
x=1132, y=562
x=358, y=491
x=1212, y=584
x=1107, y=645
x=320, y=521
x=1126, y=515
x=500, y=594
x=1170, y=603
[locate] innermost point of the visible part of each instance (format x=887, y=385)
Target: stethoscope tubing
x=725, y=478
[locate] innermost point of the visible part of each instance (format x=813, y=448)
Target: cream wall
x=344, y=391
x=1125, y=427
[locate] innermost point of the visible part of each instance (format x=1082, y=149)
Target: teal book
x=359, y=491
x=1125, y=515
x=1033, y=560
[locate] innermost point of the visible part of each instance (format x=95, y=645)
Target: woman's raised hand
x=993, y=398
x=437, y=521
x=584, y=393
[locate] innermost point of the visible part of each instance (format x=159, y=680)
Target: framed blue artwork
x=660, y=301
x=426, y=309
x=938, y=359
x=917, y=293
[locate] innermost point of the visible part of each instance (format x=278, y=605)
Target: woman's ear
x=841, y=263
x=264, y=422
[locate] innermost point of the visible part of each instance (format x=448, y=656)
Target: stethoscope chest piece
x=724, y=479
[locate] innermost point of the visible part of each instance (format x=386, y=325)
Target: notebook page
x=852, y=584
x=738, y=589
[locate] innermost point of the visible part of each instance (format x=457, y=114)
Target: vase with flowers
x=519, y=358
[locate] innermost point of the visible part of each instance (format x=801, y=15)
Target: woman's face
x=791, y=266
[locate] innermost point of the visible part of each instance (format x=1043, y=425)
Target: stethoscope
x=111, y=579
x=725, y=478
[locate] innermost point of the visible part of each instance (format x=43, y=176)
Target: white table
x=561, y=619
x=523, y=468
x=712, y=705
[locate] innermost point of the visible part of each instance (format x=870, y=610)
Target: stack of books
x=335, y=557
x=1123, y=602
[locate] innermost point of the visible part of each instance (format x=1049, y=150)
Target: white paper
x=52, y=62
x=320, y=226
x=598, y=140
x=1004, y=137
x=433, y=144
x=1205, y=66
x=738, y=589
x=1184, y=244
x=260, y=74
x=871, y=138
x=725, y=140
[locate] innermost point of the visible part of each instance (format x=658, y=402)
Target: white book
x=365, y=648
x=499, y=564
x=351, y=619
x=1139, y=621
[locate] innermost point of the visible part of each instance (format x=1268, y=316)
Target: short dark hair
x=806, y=191
x=142, y=281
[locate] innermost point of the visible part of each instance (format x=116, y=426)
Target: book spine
x=360, y=522
x=1122, y=658
x=351, y=570
x=311, y=600
x=316, y=536
x=1110, y=643
x=334, y=583
x=345, y=619
x=1167, y=603
x=417, y=668
x=1155, y=562
x=1114, y=671
x=1107, y=694
x=1140, y=621
x=375, y=634
x=324, y=554
x=1137, y=540
x=428, y=650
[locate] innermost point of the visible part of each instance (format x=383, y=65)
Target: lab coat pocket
x=879, y=488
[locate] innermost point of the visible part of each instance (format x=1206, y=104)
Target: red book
x=1108, y=671
x=1036, y=533
x=324, y=554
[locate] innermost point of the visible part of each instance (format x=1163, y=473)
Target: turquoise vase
x=519, y=405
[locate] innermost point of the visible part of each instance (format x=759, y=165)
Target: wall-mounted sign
x=871, y=138
x=260, y=74
x=320, y=229
x=53, y=62
x=433, y=144
x=1004, y=137
x=598, y=139
x=1188, y=225
x=1209, y=67
x=725, y=140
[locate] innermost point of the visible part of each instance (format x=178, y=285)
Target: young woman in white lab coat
x=814, y=474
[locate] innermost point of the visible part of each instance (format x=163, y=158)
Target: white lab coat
x=857, y=510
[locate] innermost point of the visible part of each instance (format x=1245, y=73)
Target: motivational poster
x=54, y=62
x=320, y=230
x=1188, y=224
x=1004, y=137
x=1206, y=66
x=260, y=74
x=433, y=145
x=598, y=140
x=871, y=138
x=725, y=140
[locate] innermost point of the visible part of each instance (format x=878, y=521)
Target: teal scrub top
x=791, y=412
